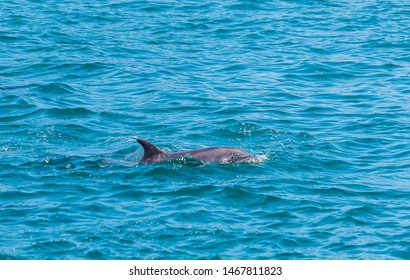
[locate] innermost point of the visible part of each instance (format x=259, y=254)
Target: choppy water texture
x=318, y=89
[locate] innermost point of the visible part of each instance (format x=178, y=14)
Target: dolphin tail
x=150, y=150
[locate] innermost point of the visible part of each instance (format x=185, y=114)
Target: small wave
x=75, y=112
x=257, y=159
x=59, y=88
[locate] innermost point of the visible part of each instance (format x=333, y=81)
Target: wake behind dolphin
x=215, y=154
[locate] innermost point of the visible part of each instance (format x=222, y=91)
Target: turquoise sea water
x=318, y=90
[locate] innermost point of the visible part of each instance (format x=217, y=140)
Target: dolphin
x=215, y=154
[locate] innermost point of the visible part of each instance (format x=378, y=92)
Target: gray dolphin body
x=216, y=154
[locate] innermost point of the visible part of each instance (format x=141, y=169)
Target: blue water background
x=318, y=90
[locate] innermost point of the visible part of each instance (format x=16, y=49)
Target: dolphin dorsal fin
x=150, y=150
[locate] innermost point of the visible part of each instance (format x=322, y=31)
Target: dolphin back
x=214, y=154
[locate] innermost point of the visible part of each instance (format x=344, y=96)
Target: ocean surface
x=318, y=91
